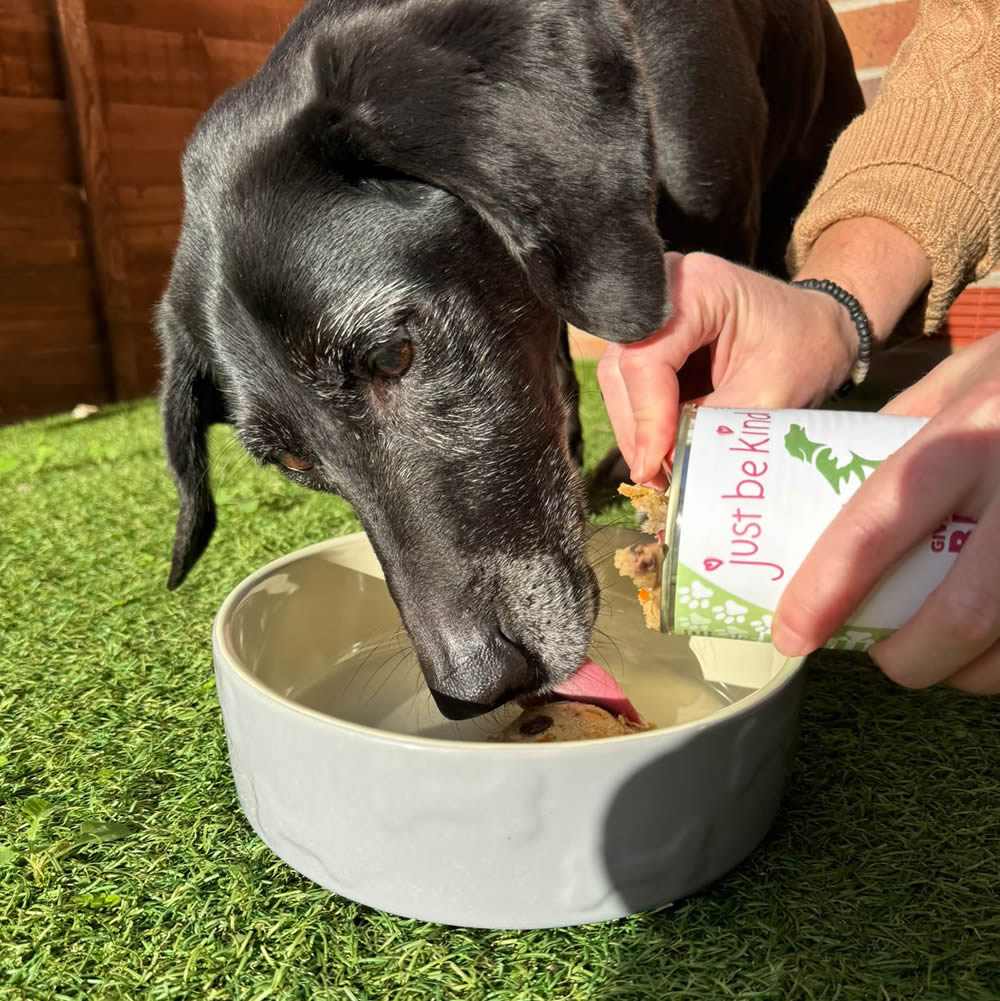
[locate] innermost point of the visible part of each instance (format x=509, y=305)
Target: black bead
x=858, y=317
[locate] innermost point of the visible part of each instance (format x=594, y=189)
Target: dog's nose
x=452, y=708
x=470, y=675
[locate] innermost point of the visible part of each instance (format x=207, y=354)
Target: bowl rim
x=223, y=650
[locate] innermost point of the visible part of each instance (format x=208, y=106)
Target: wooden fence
x=96, y=101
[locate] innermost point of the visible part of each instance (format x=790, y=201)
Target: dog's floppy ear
x=535, y=115
x=190, y=402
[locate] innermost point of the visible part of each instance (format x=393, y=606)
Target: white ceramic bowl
x=346, y=770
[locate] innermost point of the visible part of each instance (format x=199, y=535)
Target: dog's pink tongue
x=593, y=684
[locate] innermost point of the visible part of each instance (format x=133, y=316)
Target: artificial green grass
x=128, y=872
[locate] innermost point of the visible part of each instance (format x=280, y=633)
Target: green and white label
x=759, y=489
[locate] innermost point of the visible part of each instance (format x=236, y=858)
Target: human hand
x=951, y=466
x=771, y=346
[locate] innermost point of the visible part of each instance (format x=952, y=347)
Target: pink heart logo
x=711, y=563
x=722, y=429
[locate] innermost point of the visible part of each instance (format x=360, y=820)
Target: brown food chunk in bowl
x=554, y=722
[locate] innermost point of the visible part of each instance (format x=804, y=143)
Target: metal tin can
x=752, y=492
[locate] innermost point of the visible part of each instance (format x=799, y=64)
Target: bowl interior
x=319, y=629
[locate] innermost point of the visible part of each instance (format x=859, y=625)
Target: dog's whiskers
x=400, y=659
x=234, y=464
x=382, y=672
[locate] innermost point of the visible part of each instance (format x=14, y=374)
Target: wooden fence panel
x=244, y=20
x=29, y=59
x=160, y=65
x=51, y=349
x=145, y=143
x=169, y=68
x=87, y=235
x=36, y=142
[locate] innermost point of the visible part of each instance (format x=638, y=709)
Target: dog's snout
x=474, y=673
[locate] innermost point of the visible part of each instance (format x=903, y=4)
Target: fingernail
x=638, y=466
x=790, y=644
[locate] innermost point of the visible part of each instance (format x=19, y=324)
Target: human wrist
x=837, y=354
x=883, y=267
x=859, y=321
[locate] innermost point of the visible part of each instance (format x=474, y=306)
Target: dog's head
x=383, y=231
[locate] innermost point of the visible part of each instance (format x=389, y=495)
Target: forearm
x=884, y=268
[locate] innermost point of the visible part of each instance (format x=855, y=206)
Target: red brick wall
x=874, y=29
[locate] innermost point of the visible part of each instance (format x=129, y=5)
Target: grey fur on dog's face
x=450, y=182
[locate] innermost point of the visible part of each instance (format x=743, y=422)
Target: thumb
x=649, y=369
x=649, y=374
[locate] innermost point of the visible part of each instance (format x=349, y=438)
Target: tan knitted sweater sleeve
x=926, y=155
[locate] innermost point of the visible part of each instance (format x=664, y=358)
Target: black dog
x=387, y=229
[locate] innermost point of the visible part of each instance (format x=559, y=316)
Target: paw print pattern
x=855, y=639
x=762, y=626
x=731, y=613
x=695, y=596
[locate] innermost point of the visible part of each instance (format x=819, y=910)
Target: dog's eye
x=390, y=360
x=290, y=461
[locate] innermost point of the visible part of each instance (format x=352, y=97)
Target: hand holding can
x=753, y=492
x=951, y=464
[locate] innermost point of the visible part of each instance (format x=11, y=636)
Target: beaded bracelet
x=861, y=325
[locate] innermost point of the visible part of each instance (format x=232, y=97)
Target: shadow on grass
x=879, y=878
